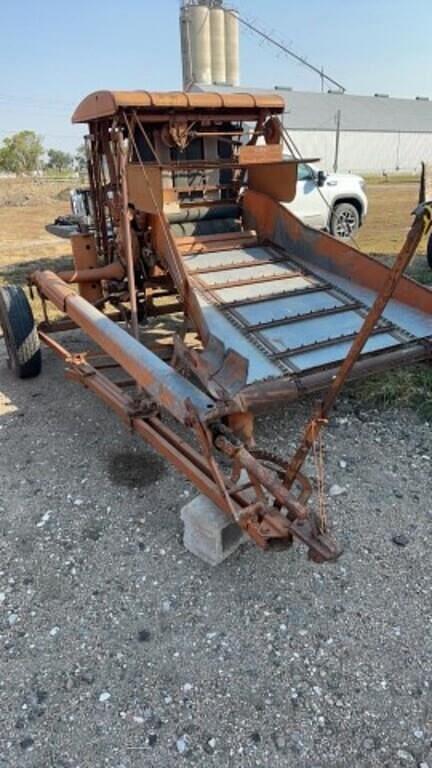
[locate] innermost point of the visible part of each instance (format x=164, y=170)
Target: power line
x=291, y=53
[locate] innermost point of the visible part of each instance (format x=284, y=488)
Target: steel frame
x=268, y=505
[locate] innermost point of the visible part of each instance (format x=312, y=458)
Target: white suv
x=336, y=201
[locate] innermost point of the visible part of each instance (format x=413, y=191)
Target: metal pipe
x=169, y=389
x=114, y=271
x=127, y=239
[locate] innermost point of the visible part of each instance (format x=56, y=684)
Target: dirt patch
x=389, y=218
x=135, y=470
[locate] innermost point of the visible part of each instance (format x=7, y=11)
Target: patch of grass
x=421, y=272
x=406, y=388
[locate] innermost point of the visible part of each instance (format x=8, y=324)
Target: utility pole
x=337, y=144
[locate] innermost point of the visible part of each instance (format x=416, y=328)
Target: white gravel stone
x=44, y=519
x=105, y=696
x=336, y=490
x=182, y=744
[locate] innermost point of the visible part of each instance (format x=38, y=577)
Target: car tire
x=20, y=332
x=429, y=251
x=344, y=221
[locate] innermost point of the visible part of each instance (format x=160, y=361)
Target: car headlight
x=363, y=184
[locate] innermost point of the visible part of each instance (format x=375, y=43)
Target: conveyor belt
x=286, y=319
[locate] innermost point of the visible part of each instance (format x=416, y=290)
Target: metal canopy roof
x=108, y=103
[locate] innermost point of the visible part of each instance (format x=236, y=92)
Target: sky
x=53, y=52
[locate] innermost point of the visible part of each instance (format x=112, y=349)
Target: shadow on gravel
x=133, y=470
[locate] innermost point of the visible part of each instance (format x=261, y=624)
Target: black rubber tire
x=429, y=251
x=20, y=333
x=344, y=221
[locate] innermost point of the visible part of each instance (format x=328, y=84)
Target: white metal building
x=378, y=134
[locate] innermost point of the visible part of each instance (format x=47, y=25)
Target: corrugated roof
x=108, y=103
x=317, y=112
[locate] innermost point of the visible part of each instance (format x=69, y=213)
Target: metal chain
x=318, y=454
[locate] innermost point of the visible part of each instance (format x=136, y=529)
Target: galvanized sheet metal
x=196, y=261
x=326, y=355
x=290, y=311
x=260, y=367
x=287, y=307
x=254, y=290
x=313, y=331
x=413, y=321
x=246, y=273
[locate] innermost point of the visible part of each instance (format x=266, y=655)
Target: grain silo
x=186, y=49
x=195, y=40
x=217, y=35
x=232, y=46
x=209, y=43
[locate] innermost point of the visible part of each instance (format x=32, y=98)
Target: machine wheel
x=345, y=221
x=429, y=251
x=20, y=333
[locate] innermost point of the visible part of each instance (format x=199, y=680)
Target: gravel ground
x=120, y=649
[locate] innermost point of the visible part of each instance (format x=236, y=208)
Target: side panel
x=85, y=257
x=319, y=250
x=278, y=180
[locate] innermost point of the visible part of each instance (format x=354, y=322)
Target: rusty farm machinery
x=187, y=195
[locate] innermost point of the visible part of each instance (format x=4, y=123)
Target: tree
x=21, y=153
x=81, y=159
x=59, y=161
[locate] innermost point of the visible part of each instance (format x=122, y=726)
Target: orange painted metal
x=113, y=271
x=85, y=258
x=108, y=103
x=158, y=379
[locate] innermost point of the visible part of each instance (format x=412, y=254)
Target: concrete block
x=209, y=533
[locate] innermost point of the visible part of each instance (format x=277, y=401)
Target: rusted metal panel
x=277, y=180
x=108, y=103
x=145, y=187
x=85, y=258
x=262, y=153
